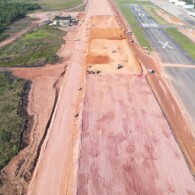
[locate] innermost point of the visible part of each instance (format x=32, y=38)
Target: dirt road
x=58, y=148
x=121, y=142
x=18, y=34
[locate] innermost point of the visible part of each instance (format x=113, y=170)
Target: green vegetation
x=149, y=7
x=15, y=27
x=33, y=49
x=10, y=121
x=136, y=29
x=10, y=12
x=50, y=5
x=184, y=41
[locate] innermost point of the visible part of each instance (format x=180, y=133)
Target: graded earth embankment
x=127, y=146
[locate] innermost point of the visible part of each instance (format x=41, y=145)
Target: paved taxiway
x=177, y=11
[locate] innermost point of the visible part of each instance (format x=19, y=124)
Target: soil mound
x=111, y=33
x=97, y=59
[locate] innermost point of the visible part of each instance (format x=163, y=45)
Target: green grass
x=33, y=49
x=50, y=5
x=183, y=41
x=15, y=27
x=136, y=29
x=10, y=121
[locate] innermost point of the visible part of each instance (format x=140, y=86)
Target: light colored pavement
x=168, y=49
x=183, y=81
x=175, y=10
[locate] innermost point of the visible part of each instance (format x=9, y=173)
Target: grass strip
x=52, y=5
x=183, y=41
x=136, y=29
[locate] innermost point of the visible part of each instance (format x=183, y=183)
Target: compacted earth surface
x=126, y=142
x=97, y=127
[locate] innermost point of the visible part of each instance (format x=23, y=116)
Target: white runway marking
x=153, y=25
x=165, y=45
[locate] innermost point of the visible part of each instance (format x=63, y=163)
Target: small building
x=62, y=20
x=181, y=3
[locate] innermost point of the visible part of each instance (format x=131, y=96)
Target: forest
x=11, y=11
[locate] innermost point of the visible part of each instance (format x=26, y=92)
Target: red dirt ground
x=127, y=146
x=179, y=123
x=46, y=82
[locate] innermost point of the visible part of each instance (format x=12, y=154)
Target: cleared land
x=127, y=146
x=12, y=117
x=32, y=49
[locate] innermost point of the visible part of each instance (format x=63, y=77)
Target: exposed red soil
x=102, y=33
x=97, y=59
x=46, y=82
x=127, y=146
x=176, y=118
x=60, y=146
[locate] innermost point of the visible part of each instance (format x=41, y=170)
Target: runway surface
x=169, y=50
x=181, y=78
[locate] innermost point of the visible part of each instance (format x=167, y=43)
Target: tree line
x=11, y=11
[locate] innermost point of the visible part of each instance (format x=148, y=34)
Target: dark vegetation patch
x=15, y=27
x=13, y=11
x=53, y=4
x=33, y=49
x=14, y=118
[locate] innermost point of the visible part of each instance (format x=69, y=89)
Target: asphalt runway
x=182, y=76
x=169, y=50
x=183, y=82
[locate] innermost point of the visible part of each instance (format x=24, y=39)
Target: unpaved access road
x=120, y=143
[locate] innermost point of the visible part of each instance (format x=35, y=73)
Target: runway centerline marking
x=165, y=45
